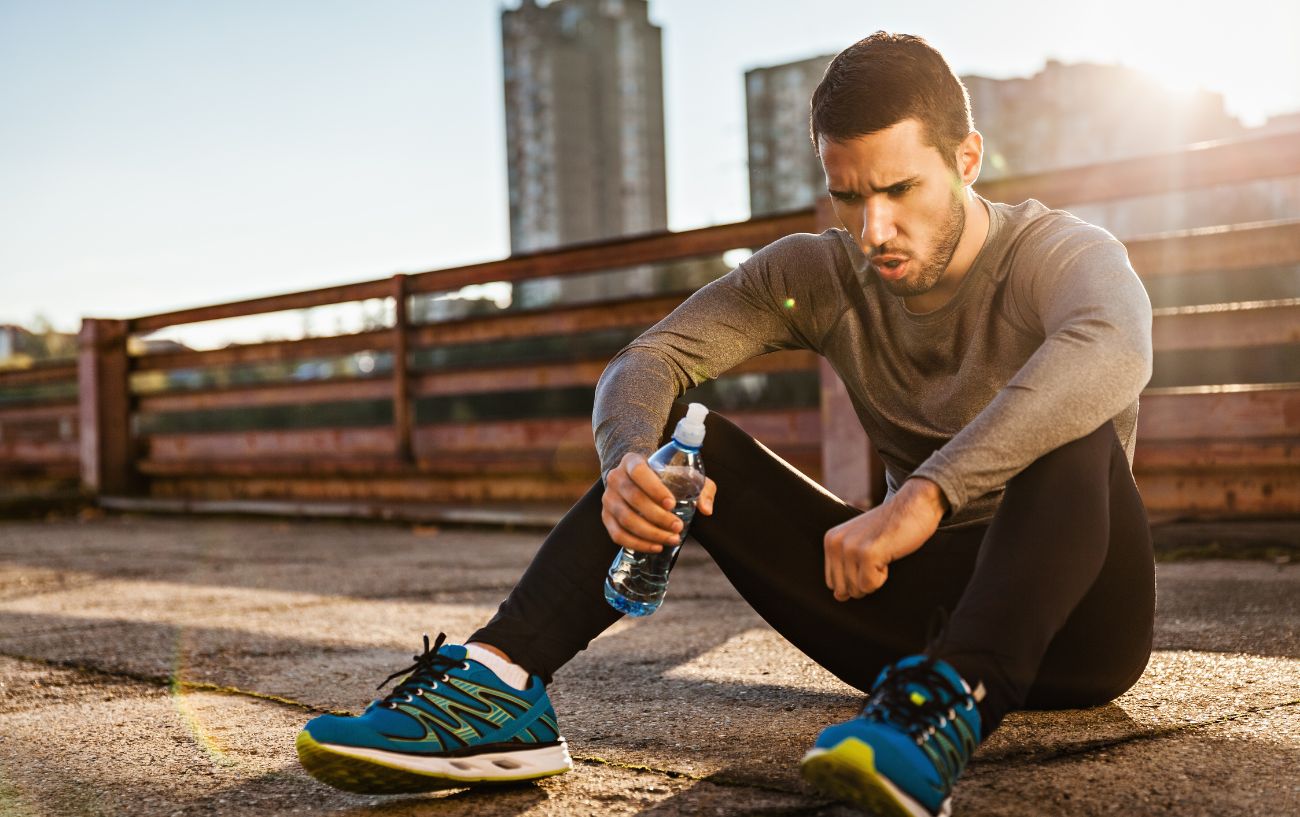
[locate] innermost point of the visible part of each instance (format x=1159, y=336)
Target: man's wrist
x=928, y=494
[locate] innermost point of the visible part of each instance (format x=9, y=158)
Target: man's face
x=900, y=201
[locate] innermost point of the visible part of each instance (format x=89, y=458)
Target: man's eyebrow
x=905, y=182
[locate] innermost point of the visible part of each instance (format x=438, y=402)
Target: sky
x=157, y=154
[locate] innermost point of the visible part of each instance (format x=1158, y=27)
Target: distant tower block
x=584, y=125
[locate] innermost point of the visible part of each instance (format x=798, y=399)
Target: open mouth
x=890, y=268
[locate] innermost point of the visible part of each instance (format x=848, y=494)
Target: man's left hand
x=858, y=552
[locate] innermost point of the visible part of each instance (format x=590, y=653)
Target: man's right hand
x=637, y=506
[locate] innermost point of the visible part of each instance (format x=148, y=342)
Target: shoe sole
x=847, y=771
x=374, y=771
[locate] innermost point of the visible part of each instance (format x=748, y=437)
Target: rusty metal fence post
x=104, y=398
x=851, y=468
x=401, y=371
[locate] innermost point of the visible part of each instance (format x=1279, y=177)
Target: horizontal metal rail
x=1228, y=326
x=1229, y=161
x=38, y=375
x=277, y=351
x=459, y=381
x=570, y=260
x=1216, y=249
x=1220, y=413
x=51, y=410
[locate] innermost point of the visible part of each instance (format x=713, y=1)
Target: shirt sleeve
x=1081, y=293
x=752, y=310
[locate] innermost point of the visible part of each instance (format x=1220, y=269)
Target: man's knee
x=1089, y=449
x=1104, y=438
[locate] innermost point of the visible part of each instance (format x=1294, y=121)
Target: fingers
x=635, y=507
x=835, y=578
x=865, y=574
x=651, y=541
x=876, y=578
x=705, y=503
x=852, y=568
x=646, y=492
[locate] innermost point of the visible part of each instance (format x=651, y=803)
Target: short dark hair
x=883, y=79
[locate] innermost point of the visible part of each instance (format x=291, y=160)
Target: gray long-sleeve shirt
x=1047, y=337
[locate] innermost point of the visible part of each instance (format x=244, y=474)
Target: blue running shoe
x=901, y=756
x=450, y=723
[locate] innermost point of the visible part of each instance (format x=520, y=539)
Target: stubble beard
x=944, y=249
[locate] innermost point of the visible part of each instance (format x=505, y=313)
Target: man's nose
x=877, y=224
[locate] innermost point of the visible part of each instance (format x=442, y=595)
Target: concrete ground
x=162, y=666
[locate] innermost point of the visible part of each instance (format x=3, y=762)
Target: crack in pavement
x=171, y=682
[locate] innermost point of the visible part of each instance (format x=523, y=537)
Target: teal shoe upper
x=445, y=704
x=922, y=725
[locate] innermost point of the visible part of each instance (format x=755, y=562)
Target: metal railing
x=464, y=412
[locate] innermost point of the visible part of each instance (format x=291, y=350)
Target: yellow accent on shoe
x=847, y=771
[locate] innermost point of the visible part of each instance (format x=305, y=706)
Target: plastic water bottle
x=637, y=581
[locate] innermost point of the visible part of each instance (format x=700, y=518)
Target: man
x=994, y=354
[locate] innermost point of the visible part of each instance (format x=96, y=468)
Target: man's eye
x=848, y=197
x=900, y=190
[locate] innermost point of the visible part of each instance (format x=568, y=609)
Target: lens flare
x=193, y=722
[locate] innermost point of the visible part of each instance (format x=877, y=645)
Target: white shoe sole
x=519, y=765
x=375, y=771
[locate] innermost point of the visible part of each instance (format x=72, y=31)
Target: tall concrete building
x=1064, y=115
x=784, y=172
x=1084, y=113
x=584, y=121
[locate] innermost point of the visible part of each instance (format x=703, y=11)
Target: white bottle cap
x=690, y=429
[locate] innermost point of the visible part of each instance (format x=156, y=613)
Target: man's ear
x=970, y=157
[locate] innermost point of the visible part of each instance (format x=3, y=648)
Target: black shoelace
x=429, y=669
x=893, y=703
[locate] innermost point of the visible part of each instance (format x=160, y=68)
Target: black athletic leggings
x=1051, y=604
